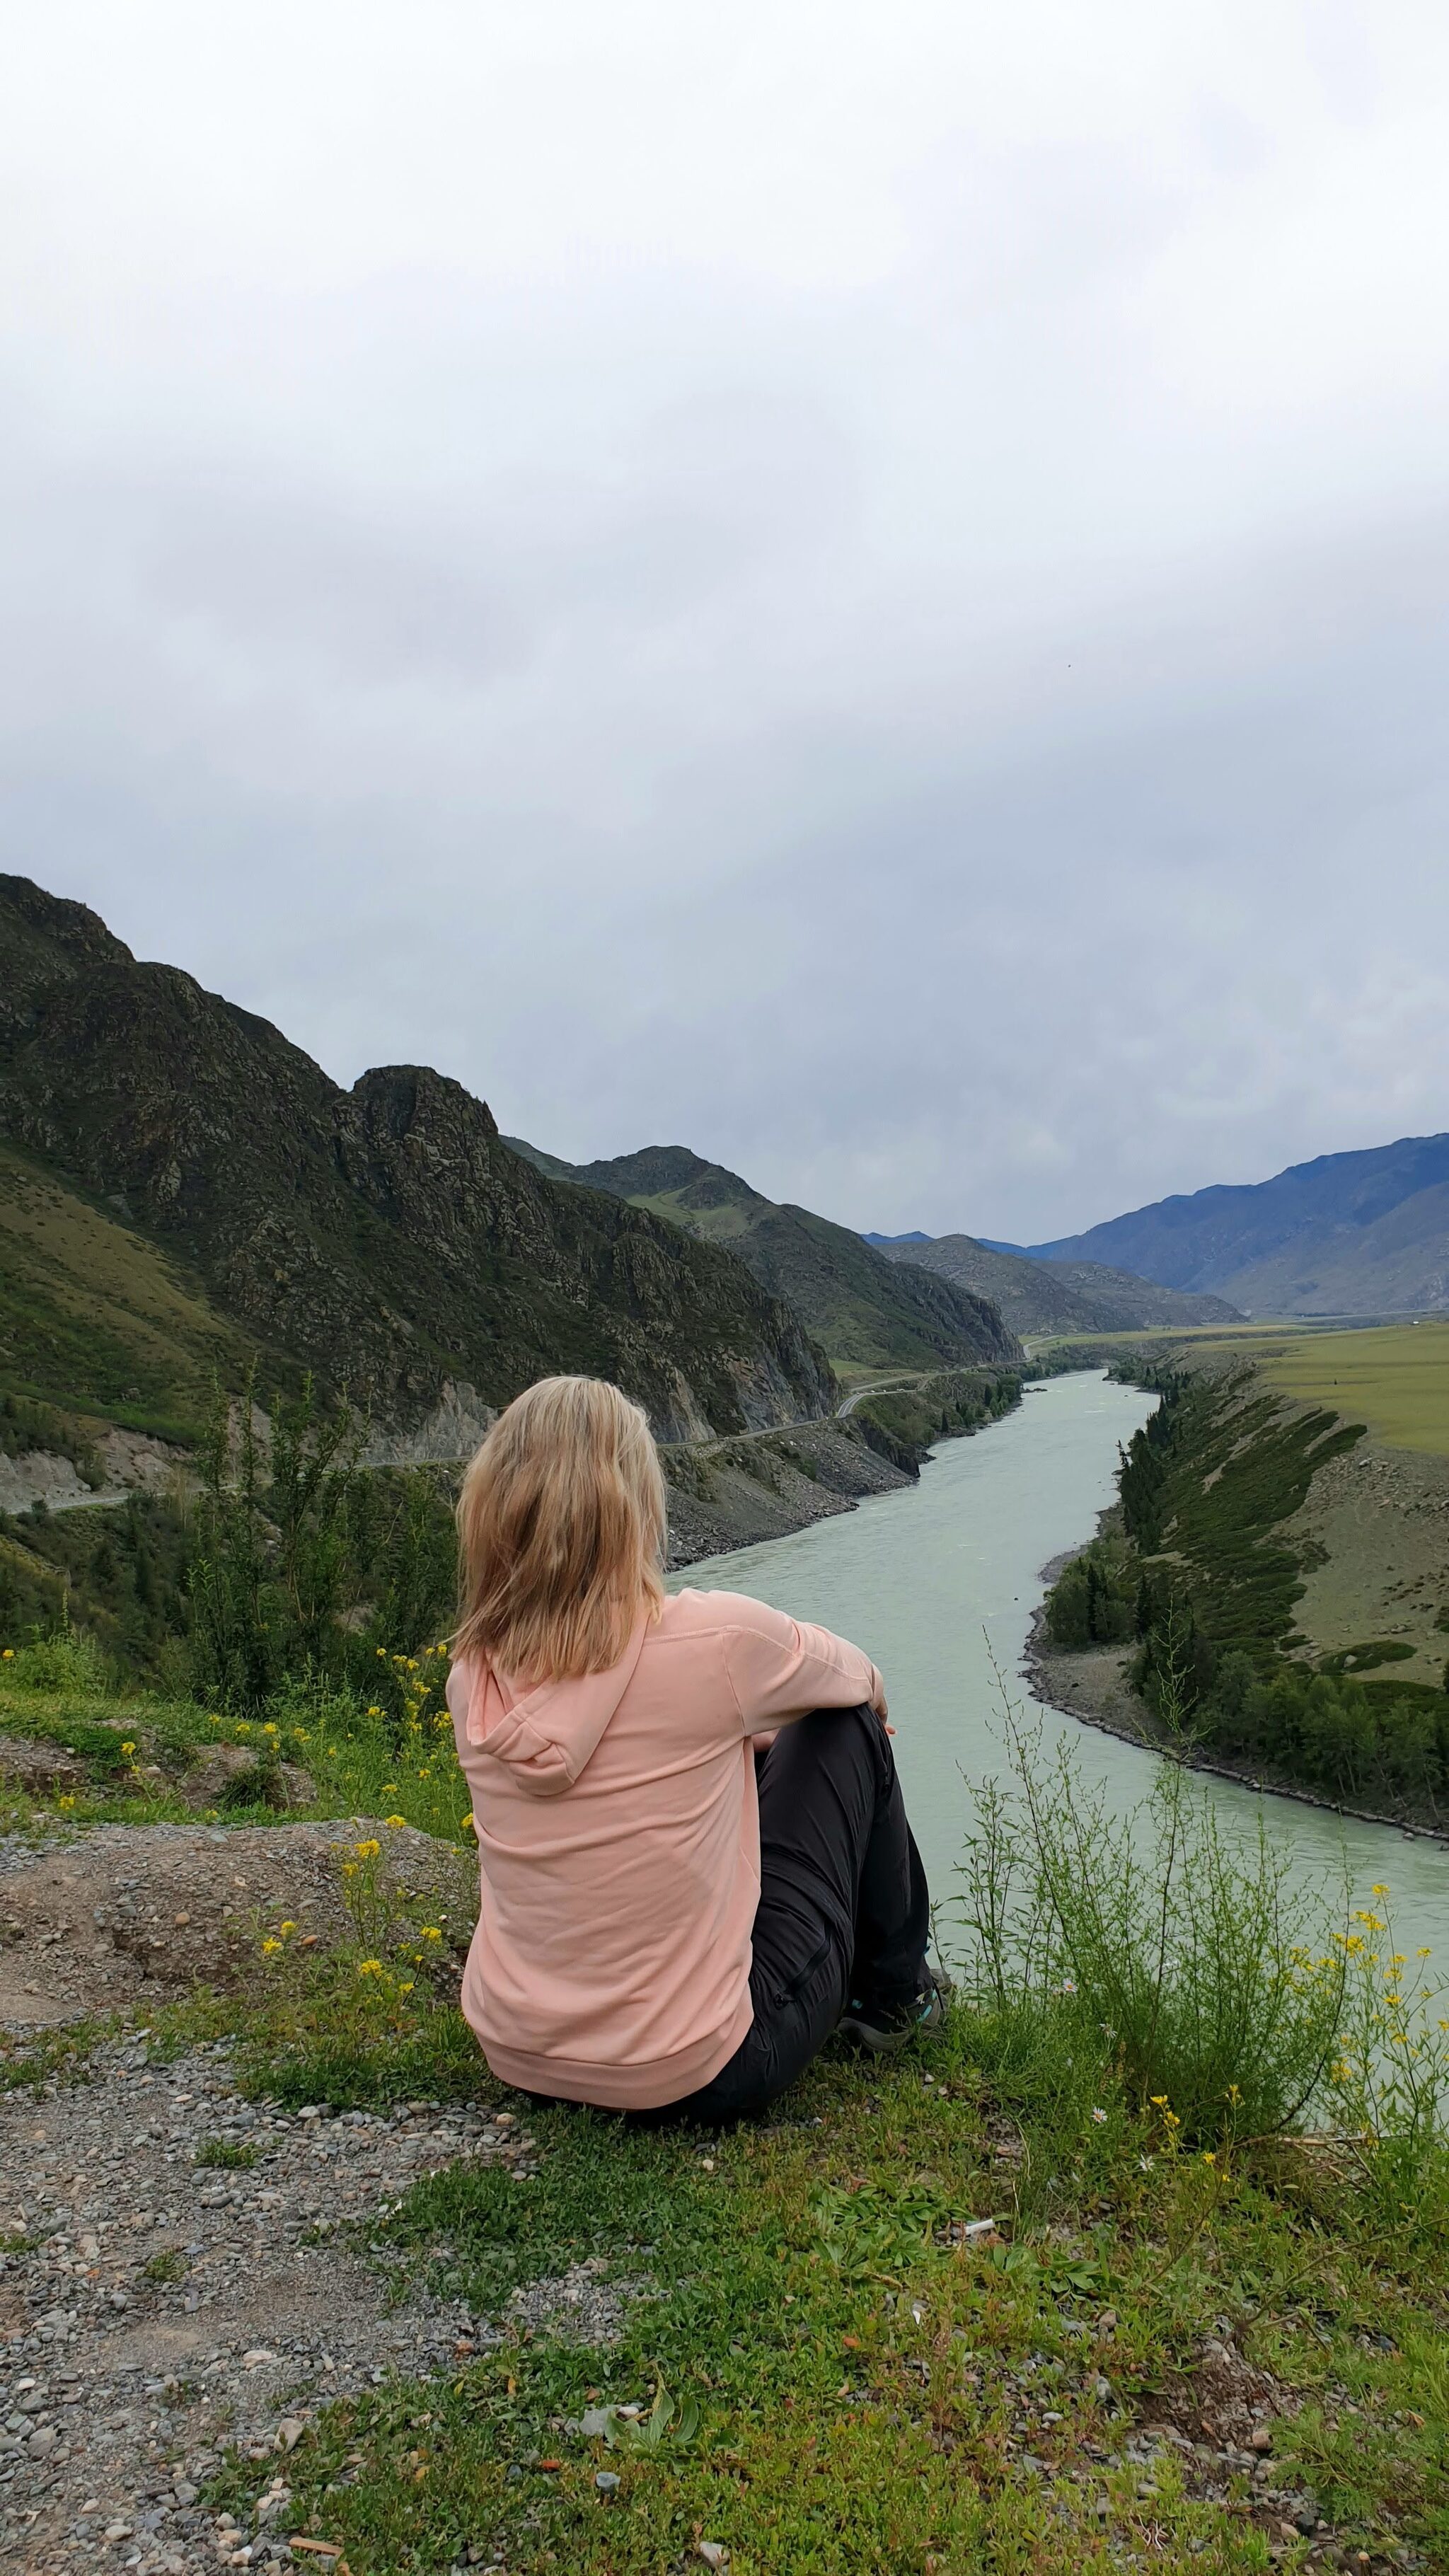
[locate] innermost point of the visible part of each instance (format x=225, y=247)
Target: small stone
x=290, y=2432
x=1262, y=2440
x=185, y=2492
x=253, y=2360
x=714, y=2553
x=118, y=2531
x=606, y=2481
x=595, y=2421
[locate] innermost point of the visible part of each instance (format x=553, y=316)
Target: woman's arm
x=779, y=1668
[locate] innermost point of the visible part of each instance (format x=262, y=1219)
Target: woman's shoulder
x=703, y=1614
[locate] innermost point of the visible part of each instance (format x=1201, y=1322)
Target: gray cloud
x=866, y=592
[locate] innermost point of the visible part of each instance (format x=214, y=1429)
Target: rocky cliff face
x=384, y=1237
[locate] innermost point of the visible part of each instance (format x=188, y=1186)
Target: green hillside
x=95, y=1317
x=183, y=1186
x=865, y=1311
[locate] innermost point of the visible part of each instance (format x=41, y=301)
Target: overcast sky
x=860, y=587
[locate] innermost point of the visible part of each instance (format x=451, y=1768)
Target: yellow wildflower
x=285, y=1928
x=394, y=1820
x=368, y=1850
x=270, y=1948
x=65, y=1802
x=128, y=1746
x=369, y=1967
x=429, y=1932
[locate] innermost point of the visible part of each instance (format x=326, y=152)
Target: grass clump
x=229, y=2155
x=1187, y=1962
x=165, y=2267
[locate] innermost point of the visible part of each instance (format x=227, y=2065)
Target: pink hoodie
x=619, y=1846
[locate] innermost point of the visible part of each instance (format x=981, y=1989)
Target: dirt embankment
x=730, y=1493
x=134, y=1916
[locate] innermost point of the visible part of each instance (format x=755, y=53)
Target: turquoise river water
x=936, y=1581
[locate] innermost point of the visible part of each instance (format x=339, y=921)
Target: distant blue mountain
x=896, y=1238
x=1349, y=1234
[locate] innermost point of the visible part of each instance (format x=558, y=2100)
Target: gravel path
x=155, y=2310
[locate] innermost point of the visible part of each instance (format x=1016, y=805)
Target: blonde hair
x=561, y=1532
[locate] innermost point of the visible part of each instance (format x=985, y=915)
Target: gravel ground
x=121, y=2385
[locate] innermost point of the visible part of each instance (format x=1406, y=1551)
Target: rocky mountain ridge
x=384, y=1237
x=864, y=1311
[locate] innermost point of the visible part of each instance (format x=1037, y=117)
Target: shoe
x=884, y=2028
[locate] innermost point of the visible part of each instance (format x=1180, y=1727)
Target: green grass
x=1395, y=1378
x=873, y=2390
x=391, y=1757
x=165, y=2267
x=228, y=2154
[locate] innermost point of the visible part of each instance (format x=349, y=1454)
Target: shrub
x=68, y=1660
x=1216, y=1984
x=1389, y=2081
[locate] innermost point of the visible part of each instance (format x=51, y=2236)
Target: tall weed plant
x=1389, y=2082
x=1217, y=1986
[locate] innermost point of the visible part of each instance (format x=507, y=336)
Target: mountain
x=865, y=1310
x=180, y=1185
x=1348, y=1234
x=883, y=1242
x=1055, y=1297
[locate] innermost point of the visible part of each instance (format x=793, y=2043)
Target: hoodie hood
x=547, y=1735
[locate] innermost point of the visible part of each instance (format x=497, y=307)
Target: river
x=936, y=1581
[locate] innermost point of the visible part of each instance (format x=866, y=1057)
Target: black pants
x=844, y=1912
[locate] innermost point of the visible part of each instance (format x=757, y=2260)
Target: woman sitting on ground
x=694, y=1853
